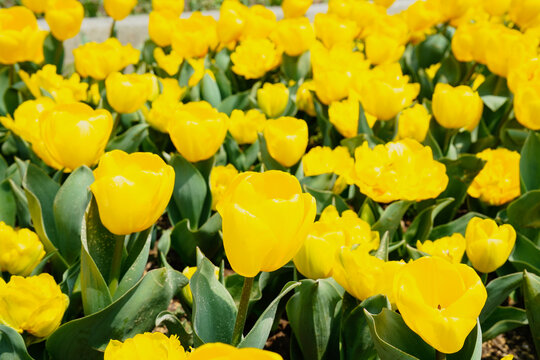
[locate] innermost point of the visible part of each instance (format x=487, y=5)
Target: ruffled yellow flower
x=294, y=36
x=20, y=250
x=161, y=25
x=527, y=105
x=220, y=351
x=450, y=248
x=273, y=99
x=34, y=304
x=439, y=301
x=402, y=170
x=174, y=6
x=498, y=182
x=146, y=346
x=119, y=9
x=255, y=57
x=457, y=107
x=323, y=160
x=220, y=178
x=64, y=18
x=295, y=8
x=414, y=123
x=260, y=22
x=266, y=218
x=195, y=36
x=162, y=112
x=286, y=139
x=333, y=30
x=127, y=93
x=170, y=63
x=245, y=126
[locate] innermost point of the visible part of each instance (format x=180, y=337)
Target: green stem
x=470, y=73
x=498, y=85
x=116, y=265
x=11, y=75
x=439, y=355
x=242, y=311
x=112, y=33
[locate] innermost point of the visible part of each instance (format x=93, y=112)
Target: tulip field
x=359, y=185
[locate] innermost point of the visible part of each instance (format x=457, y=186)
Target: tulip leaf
x=457, y=226
x=237, y=101
x=382, y=251
x=8, y=210
x=214, y=310
x=422, y=224
x=235, y=282
x=525, y=210
x=175, y=327
x=267, y=160
x=326, y=198
x=189, y=192
x=503, y=319
x=472, y=348
x=431, y=50
x=12, y=346
x=451, y=71
x=23, y=213
x=531, y=294
x=394, y=340
x=529, y=164
x=390, y=219
x=498, y=291
x=133, y=313
x=130, y=140
x=69, y=206
x=296, y=67
x=415, y=253
x=258, y=335
x=526, y=255
x=363, y=126
x=313, y=314
x=210, y=90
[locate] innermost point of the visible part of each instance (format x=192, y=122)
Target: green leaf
x=531, y=295
x=431, y=50
x=394, y=340
x=214, y=311
x=210, y=90
x=363, y=126
x=237, y=101
x=529, y=164
x=69, y=206
x=325, y=198
x=382, y=251
x=235, y=282
x=296, y=67
x=130, y=140
x=457, y=226
x=23, y=212
x=269, y=162
x=12, y=345
x=526, y=255
x=175, y=327
x=503, y=319
x=132, y=314
x=391, y=218
x=525, y=210
x=498, y=291
x=415, y=253
x=312, y=315
x=189, y=192
x=422, y=224
x=8, y=209
x=135, y=263
x=258, y=335
x=450, y=71
x=494, y=102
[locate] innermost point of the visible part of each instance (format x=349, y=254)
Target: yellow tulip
x=172, y=89
x=324, y=160
x=20, y=250
x=333, y=30
x=98, y=60
x=414, y=123
x=317, y=257
x=37, y=6
x=497, y=7
x=20, y=38
x=119, y=9
x=162, y=113
x=194, y=36
x=220, y=178
x=273, y=99
x=146, y=346
x=161, y=25
x=253, y=208
x=488, y=245
x=198, y=130
x=74, y=134
x=383, y=49
x=525, y=13
x=255, y=57
x=260, y=22
x=286, y=139
x=457, y=107
x=295, y=8
x=220, y=351
x=64, y=18
x=34, y=304
x=127, y=93
x=294, y=36
x=331, y=85
x=402, y=170
x=384, y=3
x=498, y=182
x=527, y=105
x=304, y=97
x=131, y=190
x=245, y=126
x=174, y=6
x=450, y=248
x=170, y=63
x=450, y=10
x=439, y=301
x=94, y=96
x=420, y=17
x=344, y=116
x=364, y=275
x=232, y=19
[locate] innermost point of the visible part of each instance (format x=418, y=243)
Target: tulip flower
x=174, y=6
x=414, y=123
x=252, y=208
x=34, y=304
x=384, y=3
x=317, y=257
x=260, y=22
x=286, y=139
x=37, y=6
x=526, y=103
x=220, y=179
x=333, y=30
x=193, y=37
x=273, y=99
x=161, y=25
x=304, y=97
x=295, y=8
x=383, y=49
x=119, y=9
x=198, y=130
x=450, y=248
x=220, y=351
x=324, y=160
x=488, y=245
x=170, y=63
x=127, y=93
x=294, y=36
x=20, y=250
x=232, y=20
x=245, y=126
x=525, y=13
x=20, y=38
x=496, y=7
x=255, y=57
x=457, y=107
x=498, y=182
x=439, y=301
x=64, y=18
x=146, y=346
x=344, y=116
x=162, y=113
x=131, y=190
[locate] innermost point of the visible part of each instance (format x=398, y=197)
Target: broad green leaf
x=214, y=311
x=296, y=67
x=529, y=163
x=12, y=345
x=431, y=50
x=525, y=210
x=363, y=126
x=210, y=91
x=325, y=198
x=23, y=212
x=531, y=294
x=526, y=255
x=130, y=140
x=175, y=327
x=135, y=263
x=422, y=224
x=503, y=319
x=494, y=102
x=498, y=291
x=390, y=219
x=382, y=251
x=8, y=209
x=237, y=101
x=134, y=313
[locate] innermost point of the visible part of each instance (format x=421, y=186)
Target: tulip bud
x=161, y=25
x=127, y=93
x=220, y=351
x=450, y=248
x=526, y=103
x=255, y=57
x=131, y=190
x=193, y=37
x=20, y=250
x=37, y=6
x=304, y=97
x=34, y=304
x=295, y=8
x=253, y=206
x=220, y=179
x=245, y=126
x=273, y=99
x=286, y=139
x=146, y=346
x=174, y=6
x=119, y=9
x=198, y=130
x=488, y=245
x=414, y=123
x=294, y=36
x=457, y=107
x=344, y=116
x=64, y=18
x=437, y=297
